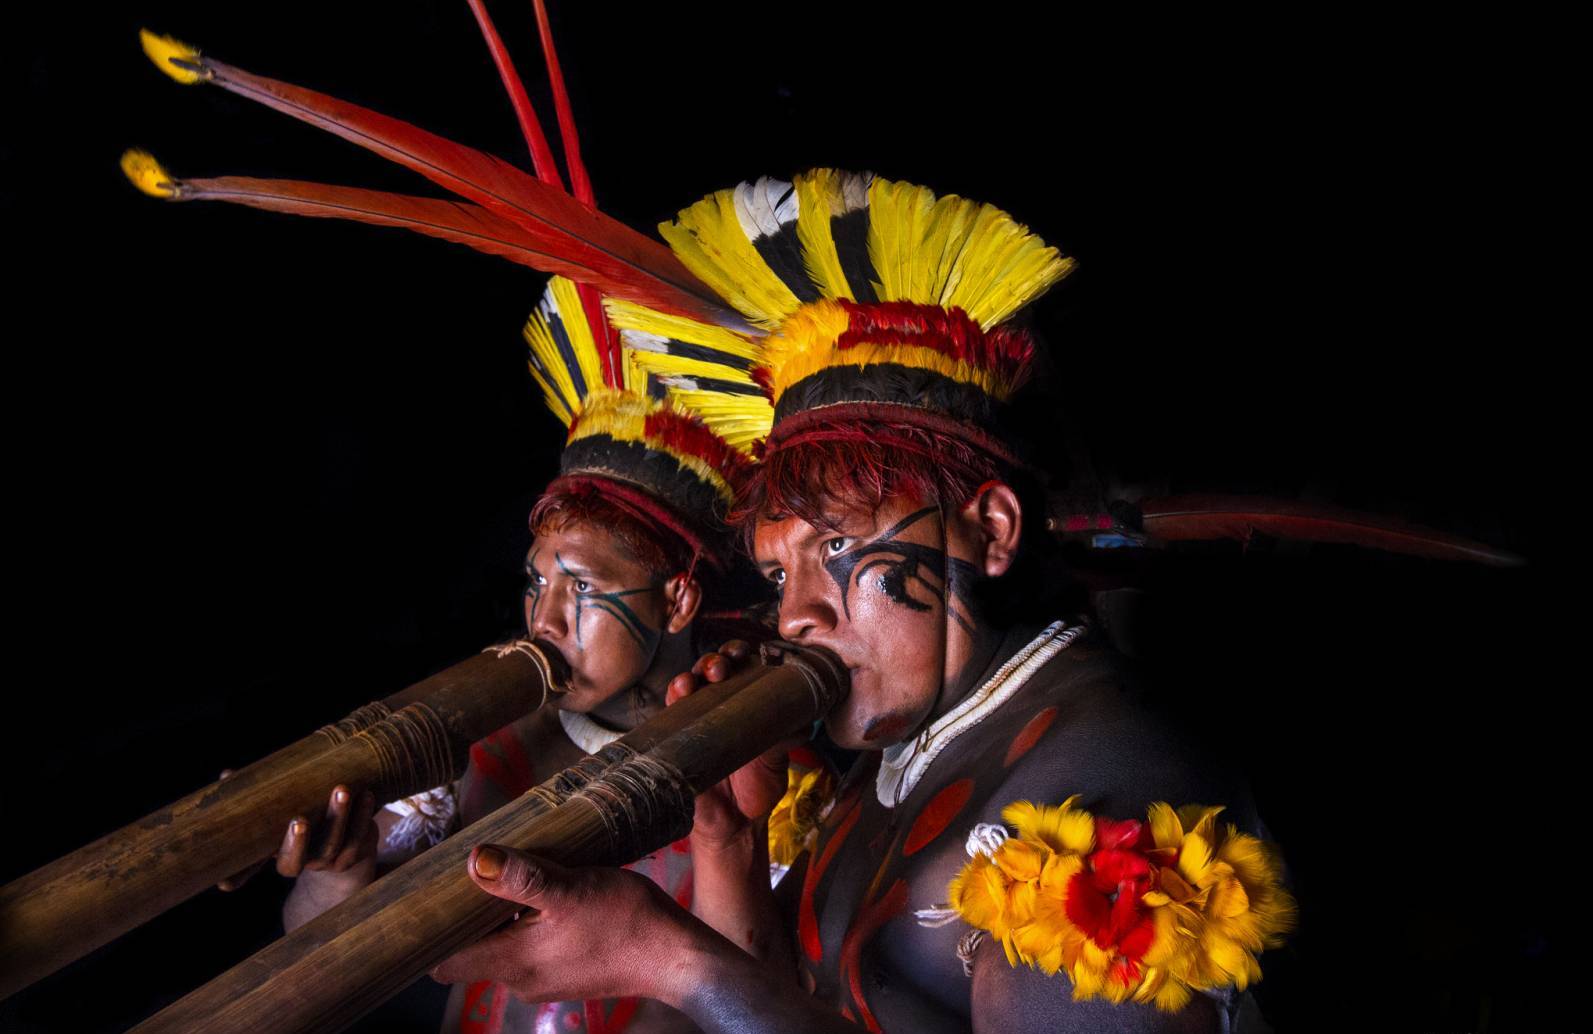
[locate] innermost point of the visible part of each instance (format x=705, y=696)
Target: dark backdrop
x=264, y=469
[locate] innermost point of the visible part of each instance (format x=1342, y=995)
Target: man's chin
x=851, y=730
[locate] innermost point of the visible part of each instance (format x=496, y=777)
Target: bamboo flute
x=410, y=742
x=337, y=967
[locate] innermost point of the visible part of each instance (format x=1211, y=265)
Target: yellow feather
x=622, y=415
x=818, y=201
x=161, y=49
x=956, y=253
x=630, y=316
x=557, y=387
x=145, y=173
x=582, y=342
x=709, y=240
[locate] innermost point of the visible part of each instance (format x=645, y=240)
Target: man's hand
x=344, y=842
x=725, y=811
x=584, y=933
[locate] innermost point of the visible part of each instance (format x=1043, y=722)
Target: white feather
x=854, y=189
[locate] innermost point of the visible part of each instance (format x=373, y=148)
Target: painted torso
x=1070, y=729
x=502, y=767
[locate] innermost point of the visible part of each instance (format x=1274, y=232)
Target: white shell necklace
x=902, y=766
x=585, y=733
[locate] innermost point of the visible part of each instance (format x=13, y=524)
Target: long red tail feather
x=632, y=266
x=1175, y=518
x=457, y=221
x=530, y=127
x=580, y=183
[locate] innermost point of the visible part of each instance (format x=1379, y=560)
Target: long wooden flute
x=635, y=798
x=412, y=741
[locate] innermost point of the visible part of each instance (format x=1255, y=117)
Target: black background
x=263, y=469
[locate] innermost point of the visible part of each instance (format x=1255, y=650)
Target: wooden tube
x=345, y=962
x=410, y=742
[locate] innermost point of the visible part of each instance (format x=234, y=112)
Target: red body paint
x=937, y=815
x=869, y=919
x=807, y=919
x=1029, y=735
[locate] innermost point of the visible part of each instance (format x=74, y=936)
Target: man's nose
x=547, y=620
x=805, y=610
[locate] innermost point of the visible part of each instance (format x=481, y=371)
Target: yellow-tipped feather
x=818, y=201
x=147, y=174
x=957, y=253
x=709, y=240
x=161, y=49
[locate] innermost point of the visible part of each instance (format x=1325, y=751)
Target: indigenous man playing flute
x=625, y=538
x=891, y=511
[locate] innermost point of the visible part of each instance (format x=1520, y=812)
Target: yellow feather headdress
x=867, y=290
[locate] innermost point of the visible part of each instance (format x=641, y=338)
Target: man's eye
x=777, y=577
x=835, y=547
x=581, y=586
x=537, y=579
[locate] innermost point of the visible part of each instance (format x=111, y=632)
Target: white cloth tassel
x=423, y=817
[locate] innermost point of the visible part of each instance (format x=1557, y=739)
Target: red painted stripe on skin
x=1029, y=735
x=617, y=1021
x=519, y=765
x=864, y=927
x=483, y=761
x=937, y=815
x=807, y=920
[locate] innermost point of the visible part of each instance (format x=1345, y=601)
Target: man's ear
x=997, y=517
x=684, y=594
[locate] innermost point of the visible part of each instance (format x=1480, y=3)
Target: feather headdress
x=656, y=425
x=878, y=300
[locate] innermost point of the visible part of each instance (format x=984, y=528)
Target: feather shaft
x=1176, y=518
x=580, y=182
x=536, y=141
x=631, y=265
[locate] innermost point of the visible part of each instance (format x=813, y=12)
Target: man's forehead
x=580, y=546
x=792, y=532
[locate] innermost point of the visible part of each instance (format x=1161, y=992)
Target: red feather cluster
x=1006, y=351
x=686, y=433
x=1105, y=898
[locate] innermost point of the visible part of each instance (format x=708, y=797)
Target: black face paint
x=611, y=603
x=901, y=562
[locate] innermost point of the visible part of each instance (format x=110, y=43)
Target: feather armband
x=1138, y=911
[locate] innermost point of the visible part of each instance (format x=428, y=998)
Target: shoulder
x=1084, y=727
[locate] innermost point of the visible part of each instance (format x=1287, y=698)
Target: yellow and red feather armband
x=1131, y=910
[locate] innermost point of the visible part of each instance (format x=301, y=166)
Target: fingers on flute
x=737, y=649
x=335, y=829
x=681, y=686
x=362, y=836
x=295, y=846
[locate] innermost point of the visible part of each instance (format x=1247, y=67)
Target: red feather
x=1178, y=518
x=630, y=265
x=536, y=142
x=580, y=183
x=456, y=221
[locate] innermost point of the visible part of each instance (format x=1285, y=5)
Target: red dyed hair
x=661, y=552
x=859, y=464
